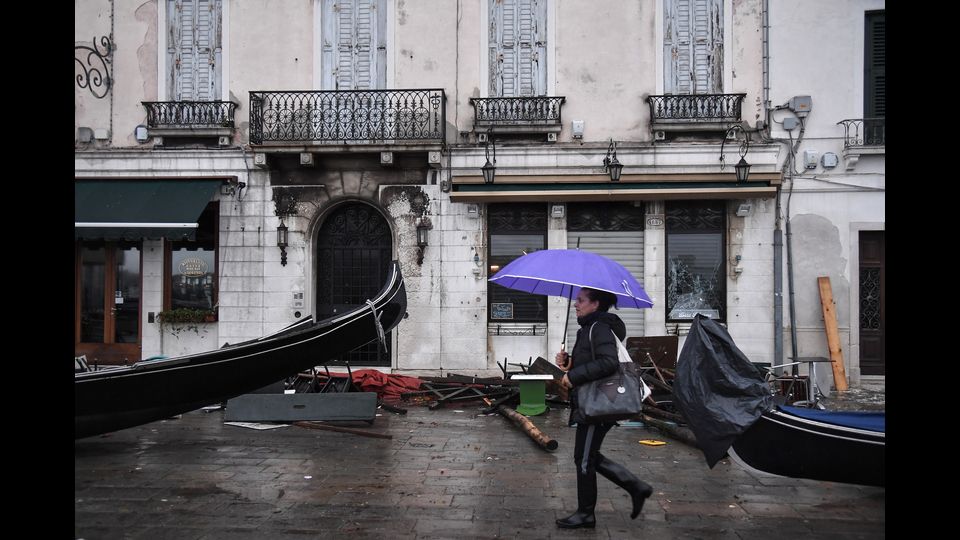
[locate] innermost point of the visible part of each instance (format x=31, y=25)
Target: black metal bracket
x=91, y=60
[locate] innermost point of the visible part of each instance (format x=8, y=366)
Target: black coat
x=602, y=362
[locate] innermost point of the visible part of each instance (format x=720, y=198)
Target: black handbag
x=616, y=397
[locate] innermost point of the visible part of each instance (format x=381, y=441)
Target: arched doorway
x=354, y=249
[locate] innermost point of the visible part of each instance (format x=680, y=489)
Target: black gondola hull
x=119, y=398
x=787, y=445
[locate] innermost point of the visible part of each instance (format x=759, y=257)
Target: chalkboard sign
x=501, y=310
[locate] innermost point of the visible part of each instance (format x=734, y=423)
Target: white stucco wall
x=819, y=51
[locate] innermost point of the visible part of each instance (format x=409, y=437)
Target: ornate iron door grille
x=872, y=304
x=354, y=248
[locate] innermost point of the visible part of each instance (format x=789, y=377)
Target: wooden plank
x=833, y=333
x=542, y=367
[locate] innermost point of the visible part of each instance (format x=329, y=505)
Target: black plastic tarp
x=717, y=389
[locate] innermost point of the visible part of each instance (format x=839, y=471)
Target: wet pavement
x=445, y=474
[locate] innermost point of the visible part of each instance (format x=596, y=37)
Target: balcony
x=348, y=116
x=862, y=137
x=518, y=114
x=695, y=112
x=190, y=118
x=863, y=132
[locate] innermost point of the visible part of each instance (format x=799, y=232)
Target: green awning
x=134, y=209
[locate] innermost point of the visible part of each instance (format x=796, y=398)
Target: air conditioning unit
x=224, y=140
x=84, y=135
x=306, y=159
x=551, y=137
x=660, y=135
x=434, y=158
x=260, y=160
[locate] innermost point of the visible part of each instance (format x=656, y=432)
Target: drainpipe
x=777, y=231
x=788, y=165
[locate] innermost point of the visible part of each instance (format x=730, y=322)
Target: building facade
x=250, y=163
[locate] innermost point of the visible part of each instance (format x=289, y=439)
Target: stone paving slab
x=443, y=475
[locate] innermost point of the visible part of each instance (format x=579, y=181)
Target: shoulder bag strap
x=593, y=353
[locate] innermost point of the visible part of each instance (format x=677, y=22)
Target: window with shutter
x=194, y=49
x=693, y=46
x=517, y=44
x=875, y=65
x=353, y=44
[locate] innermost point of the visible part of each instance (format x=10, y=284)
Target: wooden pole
x=833, y=333
x=527, y=427
x=666, y=415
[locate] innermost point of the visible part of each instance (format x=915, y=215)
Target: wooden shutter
x=353, y=44
x=194, y=49
x=517, y=48
x=693, y=46
x=875, y=65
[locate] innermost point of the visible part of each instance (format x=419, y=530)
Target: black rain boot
x=586, y=502
x=619, y=475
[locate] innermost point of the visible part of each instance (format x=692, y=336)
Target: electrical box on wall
x=811, y=158
x=800, y=105
x=577, y=127
x=297, y=300
x=830, y=160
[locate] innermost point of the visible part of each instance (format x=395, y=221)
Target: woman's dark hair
x=606, y=299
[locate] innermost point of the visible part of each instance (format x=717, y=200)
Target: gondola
x=732, y=411
x=844, y=447
x=118, y=398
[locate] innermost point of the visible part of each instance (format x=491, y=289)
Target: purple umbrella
x=563, y=272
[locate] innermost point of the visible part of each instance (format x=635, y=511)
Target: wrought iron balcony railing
x=696, y=108
x=513, y=111
x=863, y=132
x=194, y=114
x=347, y=115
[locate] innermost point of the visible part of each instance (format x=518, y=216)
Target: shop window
x=515, y=229
x=696, y=276
x=191, y=266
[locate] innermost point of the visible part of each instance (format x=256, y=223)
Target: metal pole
x=566, y=322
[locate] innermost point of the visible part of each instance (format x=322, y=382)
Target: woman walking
x=590, y=363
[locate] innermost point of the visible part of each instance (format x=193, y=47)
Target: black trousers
x=586, y=455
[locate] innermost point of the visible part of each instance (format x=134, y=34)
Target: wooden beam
x=833, y=333
x=525, y=425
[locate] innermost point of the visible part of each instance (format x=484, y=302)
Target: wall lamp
x=422, y=229
x=489, y=169
x=742, y=168
x=611, y=164
x=282, y=242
